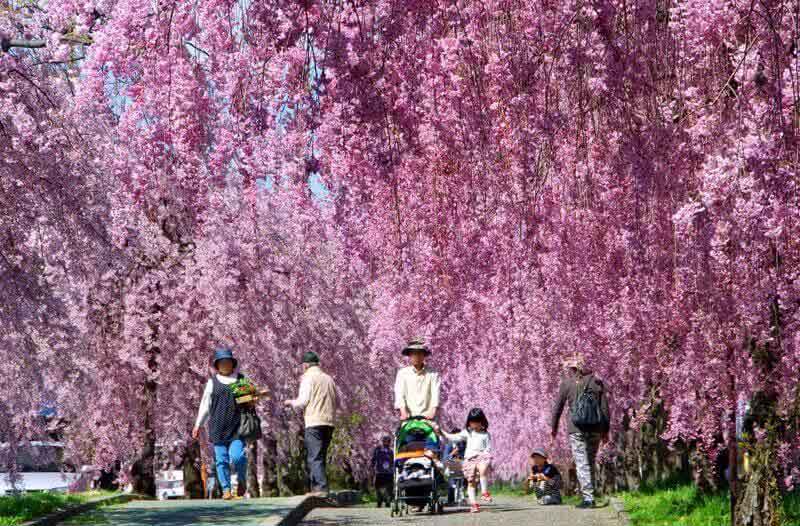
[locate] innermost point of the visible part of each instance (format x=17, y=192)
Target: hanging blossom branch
x=7, y=44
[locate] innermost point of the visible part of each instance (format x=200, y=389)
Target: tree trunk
x=759, y=502
x=143, y=477
x=349, y=476
x=704, y=471
x=297, y=480
x=192, y=480
x=269, y=475
x=252, y=469
x=108, y=479
x=292, y=475
x=641, y=456
x=143, y=470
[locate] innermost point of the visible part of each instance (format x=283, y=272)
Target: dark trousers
x=317, y=439
x=384, y=488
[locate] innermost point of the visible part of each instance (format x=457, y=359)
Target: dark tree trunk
x=292, y=475
x=704, y=471
x=298, y=481
x=641, y=456
x=759, y=500
x=269, y=473
x=143, y=477
x=143, y=471
x=192, y=480
x=108, y=479
x=349, y=477
x=252, y=469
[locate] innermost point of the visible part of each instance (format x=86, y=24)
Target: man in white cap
x=588, y=422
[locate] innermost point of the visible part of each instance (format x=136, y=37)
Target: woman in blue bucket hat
x=218, y=407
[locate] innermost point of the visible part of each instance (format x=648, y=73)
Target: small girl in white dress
x=478, y=455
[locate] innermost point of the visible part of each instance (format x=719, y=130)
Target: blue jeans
x=225, y=453
x=317, y=439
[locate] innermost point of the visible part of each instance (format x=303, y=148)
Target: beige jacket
x=317, y=397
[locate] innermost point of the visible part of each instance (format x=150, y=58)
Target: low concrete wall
x=66, y=513
x=307, y=504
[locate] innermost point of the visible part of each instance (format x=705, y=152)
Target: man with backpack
x=588, y=423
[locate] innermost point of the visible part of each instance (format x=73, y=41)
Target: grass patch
x=791, y=509
x=679, y=506
x=507, y=489
x=18, y=509
x=684, y=505
x=93, y=517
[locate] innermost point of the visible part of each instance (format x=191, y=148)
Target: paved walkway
x=263, y=512
x=507, y=511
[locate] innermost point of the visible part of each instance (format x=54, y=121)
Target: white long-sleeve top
x=205, y=402
x=477, y=441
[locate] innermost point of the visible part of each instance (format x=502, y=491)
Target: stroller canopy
x=415, y=435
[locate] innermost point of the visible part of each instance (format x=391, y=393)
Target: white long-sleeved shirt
x=205, y=402
x=477, y=442
x=416, y=390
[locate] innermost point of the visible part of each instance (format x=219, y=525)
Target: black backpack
x=587, y=412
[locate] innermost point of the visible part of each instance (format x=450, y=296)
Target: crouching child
x=544, y=479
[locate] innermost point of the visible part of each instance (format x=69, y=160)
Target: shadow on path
x=197, y=512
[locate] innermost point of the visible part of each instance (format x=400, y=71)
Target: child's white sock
x=471, y=494
x=484, y=485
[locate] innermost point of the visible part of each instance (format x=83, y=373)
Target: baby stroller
x=456, y=482
x=418, y=480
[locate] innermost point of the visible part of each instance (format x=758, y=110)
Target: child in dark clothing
x=544, y=478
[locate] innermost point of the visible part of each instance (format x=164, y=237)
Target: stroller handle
x=417, y=417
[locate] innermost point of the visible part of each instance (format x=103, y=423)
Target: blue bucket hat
x=222, y=353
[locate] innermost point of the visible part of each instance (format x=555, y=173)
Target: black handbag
x=249, y=425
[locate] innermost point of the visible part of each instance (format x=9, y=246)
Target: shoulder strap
x=589, y=378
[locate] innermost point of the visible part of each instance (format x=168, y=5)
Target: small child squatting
x=477, y=456
x=544, y=478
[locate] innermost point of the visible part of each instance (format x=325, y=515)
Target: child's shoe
x=475, y=508
x=486, y=497
x=227, y=495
